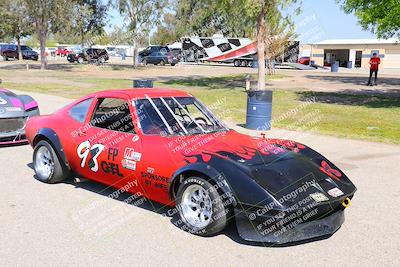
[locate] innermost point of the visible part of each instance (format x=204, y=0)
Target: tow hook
x=346, y=202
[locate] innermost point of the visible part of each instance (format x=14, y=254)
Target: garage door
x=392, y=58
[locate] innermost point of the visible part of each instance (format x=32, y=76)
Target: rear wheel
x=46, y=164
x=201, y=208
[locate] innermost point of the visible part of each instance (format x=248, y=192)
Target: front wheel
x=46, y=164
x=201, y=207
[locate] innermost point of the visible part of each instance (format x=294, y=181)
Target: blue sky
x=319, y=20
x=324, y=19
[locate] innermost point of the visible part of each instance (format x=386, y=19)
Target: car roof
x=142, y=92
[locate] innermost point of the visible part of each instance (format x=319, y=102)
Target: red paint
x=335, y=174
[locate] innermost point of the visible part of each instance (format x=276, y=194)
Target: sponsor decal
x=319, y=197
x=335, y=192
x=2, y=101
x=111, y=168
x=13, y=109
x=150, y=170
x=131, y=154
x=157, y=181
x=85, y=151
x=129, y=164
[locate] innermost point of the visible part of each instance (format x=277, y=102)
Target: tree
x=141, y=16
x=166, y=31
x=259, y=16
x=16, y=24
x=380, y=17
x=88, y=19
x=48, y=16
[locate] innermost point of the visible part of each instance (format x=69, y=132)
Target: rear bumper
x=296, y=231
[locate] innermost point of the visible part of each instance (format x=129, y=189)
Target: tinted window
x=80, y=110
x=113, y=114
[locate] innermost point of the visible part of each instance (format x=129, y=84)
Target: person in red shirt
x=374, y=62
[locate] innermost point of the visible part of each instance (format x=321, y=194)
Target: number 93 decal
x=84, y=149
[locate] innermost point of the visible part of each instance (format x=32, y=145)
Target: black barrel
x=259, y=110
x=142, y=84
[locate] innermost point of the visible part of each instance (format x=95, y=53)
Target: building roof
x=357, y=41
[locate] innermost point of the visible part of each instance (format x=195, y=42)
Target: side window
x=80, y=110
x=113, y=114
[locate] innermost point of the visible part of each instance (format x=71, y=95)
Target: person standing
x=374, y=67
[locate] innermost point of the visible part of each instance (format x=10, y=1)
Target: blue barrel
x=335, y=66
x=142, y=84
x=349, y=64
x=259, y=110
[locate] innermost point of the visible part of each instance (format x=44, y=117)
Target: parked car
x=15, y=110
x=160, y=58
x=11, y=51
x=62, y=52
x=167, y=146
x=152, y=49
x=89, y=55
x=304, y=60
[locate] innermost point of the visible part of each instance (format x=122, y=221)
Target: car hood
x=279, y=167
x=10, y=105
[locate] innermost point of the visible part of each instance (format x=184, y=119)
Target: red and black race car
x=167, y=146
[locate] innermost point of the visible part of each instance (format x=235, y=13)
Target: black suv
x=90, y=55
x=11, y=51
x=153, y=49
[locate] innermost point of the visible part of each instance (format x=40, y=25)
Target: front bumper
x=12, y=131
x=296, y=231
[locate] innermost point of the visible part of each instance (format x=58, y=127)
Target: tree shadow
x=355, y=79
x=211, y=83
x=354, y=98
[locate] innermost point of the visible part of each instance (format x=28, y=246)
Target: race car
x=170, y=148
x=14, y=112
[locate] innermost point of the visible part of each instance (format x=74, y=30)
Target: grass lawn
x=366, y=117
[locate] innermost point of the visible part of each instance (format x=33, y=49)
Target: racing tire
x=46, y=164
x=172, y=64
x=80, y=60
x=162, y=63
x=236, y=63
x=244, y=63
x=144, y=62
x=5, y=58
x=201, y=207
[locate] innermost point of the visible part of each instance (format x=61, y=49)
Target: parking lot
x=42, y=224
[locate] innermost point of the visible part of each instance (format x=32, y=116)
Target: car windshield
x=176, y=116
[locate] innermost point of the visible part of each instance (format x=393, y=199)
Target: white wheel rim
x=196, y=206
x=44, y=164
